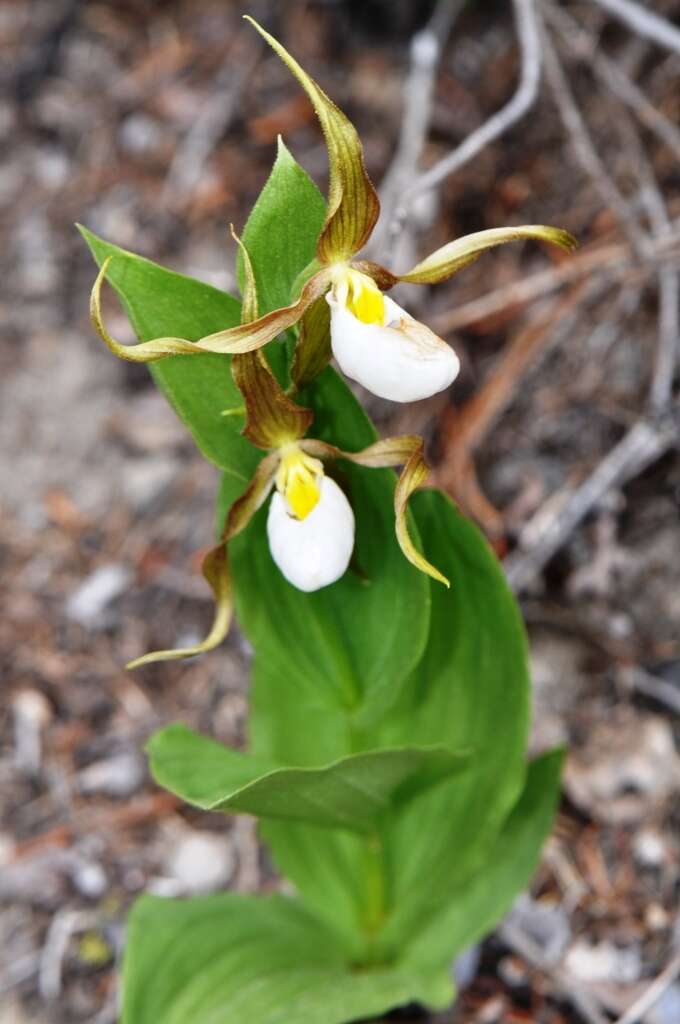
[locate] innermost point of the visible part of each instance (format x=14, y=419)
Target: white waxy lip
x=401, y=360
x=315, y=551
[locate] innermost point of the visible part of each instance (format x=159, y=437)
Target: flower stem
x=375, y=896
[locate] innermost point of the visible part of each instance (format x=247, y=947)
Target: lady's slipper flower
x=378, y=344
x=310, y=523
x=374, y=341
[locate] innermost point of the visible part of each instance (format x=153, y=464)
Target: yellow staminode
x=298, y=480
x=364, y=298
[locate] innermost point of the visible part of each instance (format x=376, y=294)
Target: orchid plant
x=388, y=709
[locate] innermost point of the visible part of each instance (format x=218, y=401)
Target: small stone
x=546, y=924
x=146, y=479
x=649, y=849
x=89, y=878
x=512, y=971
x=200, y=861
x=603, y=962
x=90, y=601
x=120, y=775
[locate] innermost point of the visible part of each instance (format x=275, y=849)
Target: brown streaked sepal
x=353, y=205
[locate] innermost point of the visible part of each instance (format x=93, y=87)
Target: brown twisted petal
x=244, y=338
x=455, y=255
x=313, y=349
x=407, y=451
x=383, y=277
x=215, y=567
x=353, y=205
x=272, y=418
x=254, y=496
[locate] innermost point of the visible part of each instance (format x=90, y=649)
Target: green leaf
x=354, y=792
x=230, y=958
x=477, y=906
x=282, y=230
x=160, y=302
x=470, y=689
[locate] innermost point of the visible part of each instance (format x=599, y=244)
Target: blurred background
x=155, y=124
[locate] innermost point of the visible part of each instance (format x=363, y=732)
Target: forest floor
x=155, y=125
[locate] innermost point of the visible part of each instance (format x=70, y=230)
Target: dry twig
x=612, y=76
x=547, y=530
x=192, y=154
x=532, y=953
x=635, y=1013
x=644, y=22
x=426, y=51
x=519, y=105
x=585, y=149
x=466, y=429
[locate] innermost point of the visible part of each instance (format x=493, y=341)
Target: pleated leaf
x=354, y=792
x=230, y=958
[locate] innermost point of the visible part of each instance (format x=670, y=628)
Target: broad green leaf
x=282, y=230
x=200, y=388
x=471, y=688
x=477, y=906
x=352, y=793
x=229, y=959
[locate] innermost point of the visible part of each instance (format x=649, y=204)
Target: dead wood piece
x=426, y=50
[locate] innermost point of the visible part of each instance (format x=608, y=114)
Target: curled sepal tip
x=215, y=569
x=353, y=205
x=407, y=451
x=413, y=474
x=245, y=338
x=455, y=255
x=148, y=351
